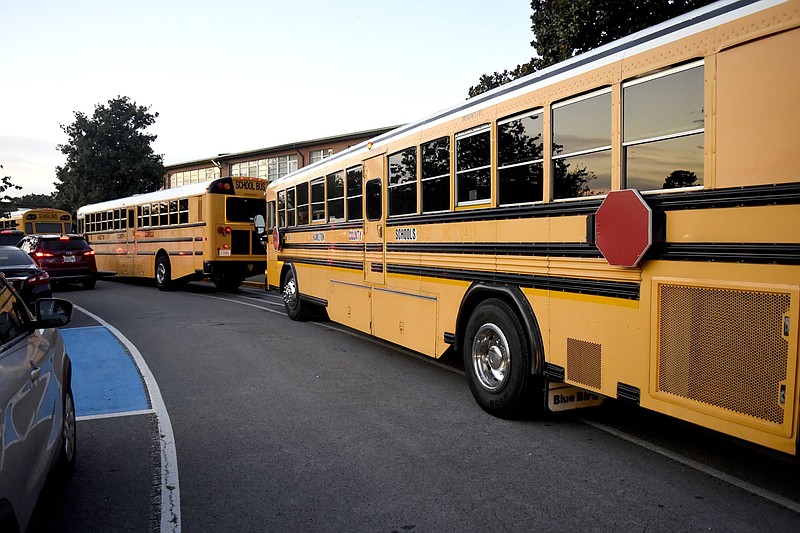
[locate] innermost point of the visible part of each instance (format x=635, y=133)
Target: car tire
x=89, y=283
x=69, y=440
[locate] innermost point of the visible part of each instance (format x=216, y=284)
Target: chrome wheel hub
x=491, y=357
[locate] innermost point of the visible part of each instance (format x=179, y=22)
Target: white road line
x=115, y=415
x=713, y=472
x=170, y=488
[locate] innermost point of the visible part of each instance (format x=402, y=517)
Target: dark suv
x=65, y=257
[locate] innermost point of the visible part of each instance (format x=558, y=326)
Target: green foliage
x=565, y=28
x=33, y=200
x=6, y=184
x=108, y=155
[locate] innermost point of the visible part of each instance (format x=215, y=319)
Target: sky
x=239, y=75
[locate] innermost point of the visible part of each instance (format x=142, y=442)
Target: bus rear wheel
x=296, y=309
x=163, y=273
x=497, y=360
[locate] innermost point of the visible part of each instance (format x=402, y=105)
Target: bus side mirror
x=260, y=224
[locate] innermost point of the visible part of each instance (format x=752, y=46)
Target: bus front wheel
x=163, y=273
x=295, y=308
x=497, y=360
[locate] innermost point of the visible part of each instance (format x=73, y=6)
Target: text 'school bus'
x=625, y=224
x=202, y=230
x=39, y=220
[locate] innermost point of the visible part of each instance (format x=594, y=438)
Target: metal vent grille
x=724, y=348
x=584, y=363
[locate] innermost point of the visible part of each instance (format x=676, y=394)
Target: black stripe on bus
x=613, y=289
x=349, y=246
x=349, y=265
x=769, y=253
x=167, y=239
x=313, y=228
x=500, y=248
x=181, y=252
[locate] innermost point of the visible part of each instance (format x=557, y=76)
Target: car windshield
x=10, y=256
x=61, y=245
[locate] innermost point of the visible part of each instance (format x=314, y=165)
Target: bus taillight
x=224, y=230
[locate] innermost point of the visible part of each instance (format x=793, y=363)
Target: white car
x=37, y=412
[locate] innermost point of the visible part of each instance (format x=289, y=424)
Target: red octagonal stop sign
x=623, y=228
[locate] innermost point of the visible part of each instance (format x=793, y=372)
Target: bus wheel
x=227, y=283
x=89, y=283
x=295, y=308
x=163, y=273
x=497, y=360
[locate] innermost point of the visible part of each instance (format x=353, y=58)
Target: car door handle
x=35, y=372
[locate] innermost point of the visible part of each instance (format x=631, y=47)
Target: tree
x=565, y=28
x=108, y=155
x=5, y=184
x=33, y=200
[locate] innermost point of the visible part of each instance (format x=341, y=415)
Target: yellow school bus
x=625, y=225
x=202, y=230
x=38, y=220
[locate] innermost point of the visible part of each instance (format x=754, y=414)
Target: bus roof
x=665, y=32
x=191, y=189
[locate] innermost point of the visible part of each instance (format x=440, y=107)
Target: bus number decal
x=405, y=234
x=356, y=235
x=318, y=237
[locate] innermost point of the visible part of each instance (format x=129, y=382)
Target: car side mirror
x=260, y=224
x=53, y=312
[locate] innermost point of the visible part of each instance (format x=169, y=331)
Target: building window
x=185, y=177
x=335, y=196
x=319, y=155
x=473, y=166
x=402, y=184
x=663, y=129
x=270, y=168
x=582, y=146
x=354, y=193
x=520, y=158
x=435, y=175
x=317, y=200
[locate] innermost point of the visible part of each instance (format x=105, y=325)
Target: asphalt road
x=287, y=426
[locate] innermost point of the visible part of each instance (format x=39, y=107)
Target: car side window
x=13, y=319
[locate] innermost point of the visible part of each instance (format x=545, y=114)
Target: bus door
x=127, y=249
x=374, y=226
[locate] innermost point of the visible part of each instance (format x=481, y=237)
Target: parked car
x=66, y=258
x=22, y=272
x=37, y=412
x=11, y=237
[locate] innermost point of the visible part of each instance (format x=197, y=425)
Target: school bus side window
x=402, y=184
x=355, y=210
x=435, y=175
x=302, y=204
x=290, y=206
x=520, y=157
x=281, y=209
x=317, y=200
x=663, y=129
x=473, y=166
x=582, y=146
x=374, y=199
x=335, y=196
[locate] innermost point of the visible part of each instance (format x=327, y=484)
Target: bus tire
x=163, y=273
x=497, y=360
x=296, y=309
